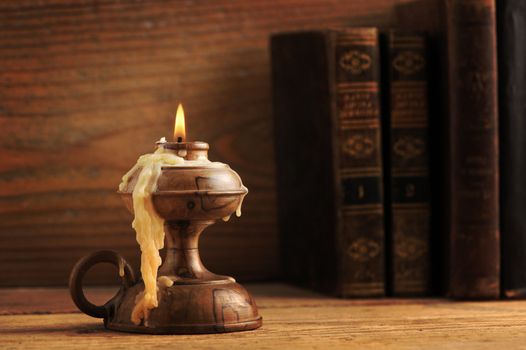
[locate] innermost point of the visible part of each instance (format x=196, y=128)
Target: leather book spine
x=511, y=33
x=409, y=158
x=302, y=112
x=474, y=244
x=358, y=162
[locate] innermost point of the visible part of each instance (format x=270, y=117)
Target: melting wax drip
x=238, y=210
x=121, y=267
x=149, y=226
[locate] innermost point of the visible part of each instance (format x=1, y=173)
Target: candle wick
x=179, y=139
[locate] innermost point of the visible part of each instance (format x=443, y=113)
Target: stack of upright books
x=352, y=110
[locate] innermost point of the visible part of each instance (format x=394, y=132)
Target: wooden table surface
x=293, y=319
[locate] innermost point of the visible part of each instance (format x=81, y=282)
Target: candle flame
x=179, y=127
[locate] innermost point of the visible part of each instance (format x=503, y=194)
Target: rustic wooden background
x=88, y=86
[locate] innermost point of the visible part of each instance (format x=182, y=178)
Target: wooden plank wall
x=88, y=86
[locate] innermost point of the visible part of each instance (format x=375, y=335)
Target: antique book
x=511, y=35
x=474, y=245
x=326, y=107
x=408, y=173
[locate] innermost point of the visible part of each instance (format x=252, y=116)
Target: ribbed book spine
x=511, y=21
x=409, y=171
x=359, y=162
x=474, y=249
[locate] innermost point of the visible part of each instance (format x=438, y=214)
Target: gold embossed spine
x=359, y=162
x=409, y=170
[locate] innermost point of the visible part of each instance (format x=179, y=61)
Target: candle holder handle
x=82, y=267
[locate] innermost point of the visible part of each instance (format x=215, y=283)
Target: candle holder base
x=190, y=309
x=188, y=306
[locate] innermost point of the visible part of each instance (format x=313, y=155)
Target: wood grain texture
x=19, y=301
x=294, y=319
x=88, y=86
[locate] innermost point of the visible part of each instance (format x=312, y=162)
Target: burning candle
x=148, y=225
x=179, y=127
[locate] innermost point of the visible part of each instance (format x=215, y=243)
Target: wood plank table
x=293, y=319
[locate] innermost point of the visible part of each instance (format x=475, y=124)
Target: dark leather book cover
x=474, y=246
x=305, y=179
x=511, y=33
x=325, y=87
x=432, y=18
x=359, y=162
x=409, y=157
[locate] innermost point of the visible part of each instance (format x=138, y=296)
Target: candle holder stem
x=182, y=262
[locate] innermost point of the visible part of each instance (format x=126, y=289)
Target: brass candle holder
x=189, y=198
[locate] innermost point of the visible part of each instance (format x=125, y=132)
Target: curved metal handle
x=83, y=266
